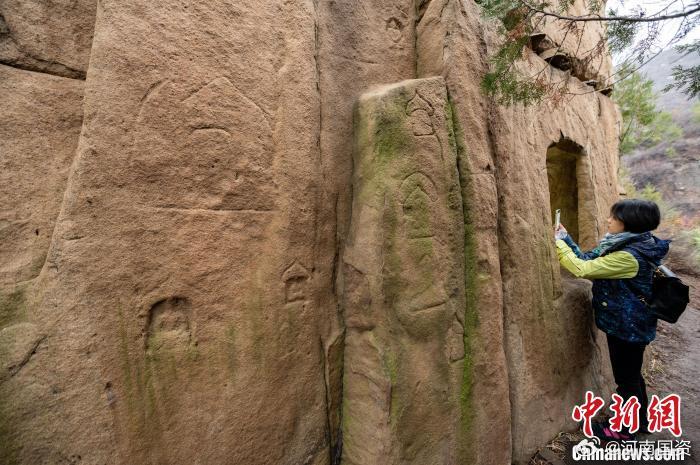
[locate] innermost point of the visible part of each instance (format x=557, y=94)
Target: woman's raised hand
x=560, y=232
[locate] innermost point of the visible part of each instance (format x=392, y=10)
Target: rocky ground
x=677, y=349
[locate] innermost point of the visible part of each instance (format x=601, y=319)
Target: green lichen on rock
x=383, y=129
x=140, y=394
x=260, y=344
x=346, y=419
x=390, y=136
x=13, y=309
x=9, y=446
x=390, y=362
x=407, y=203
x=381, y=137
x=13, y=306
x=391, y=273
x=456, y=138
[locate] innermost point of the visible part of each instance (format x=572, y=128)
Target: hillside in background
x=672, y=167
x=659, y=70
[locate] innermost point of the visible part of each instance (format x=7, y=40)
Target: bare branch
x=631, y=19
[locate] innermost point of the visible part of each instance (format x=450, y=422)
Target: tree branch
x=631, y=19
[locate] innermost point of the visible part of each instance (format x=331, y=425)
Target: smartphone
x=557, y=217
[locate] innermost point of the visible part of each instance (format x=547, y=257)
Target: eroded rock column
x=39, y=129
x=404, y=293
x=44, y=53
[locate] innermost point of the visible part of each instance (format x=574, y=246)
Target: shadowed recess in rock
x=562, y=176
x=169, y=324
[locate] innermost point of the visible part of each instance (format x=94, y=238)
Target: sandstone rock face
x=39, y=132
x=552, y=306
x=404, y=281
x=52, y=37
x=197, y=190
x=287, y=233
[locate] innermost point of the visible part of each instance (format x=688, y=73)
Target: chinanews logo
x=662, y=450
x=662, y=414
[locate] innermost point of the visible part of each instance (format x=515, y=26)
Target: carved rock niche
x=169, y=327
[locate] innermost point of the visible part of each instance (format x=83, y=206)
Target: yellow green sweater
x=614, y=265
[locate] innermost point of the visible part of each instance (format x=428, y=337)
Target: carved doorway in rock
x=571, y=190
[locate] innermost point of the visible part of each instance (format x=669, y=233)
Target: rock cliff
x=266, y=232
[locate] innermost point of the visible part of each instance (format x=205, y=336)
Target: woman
x=621, y=268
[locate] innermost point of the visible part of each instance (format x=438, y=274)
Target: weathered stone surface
x=404, y=281
x=222, y=287
x=51, y=37
x=546, y=319
x=359, y=44
x=542, y=306
x=195, y=185
x=39, y=132
x=584, y=46
x=489, y=440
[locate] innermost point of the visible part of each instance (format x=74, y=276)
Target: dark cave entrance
x=569, y=186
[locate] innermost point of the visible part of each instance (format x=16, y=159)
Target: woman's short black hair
x=637, y=215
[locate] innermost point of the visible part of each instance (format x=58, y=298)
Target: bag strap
x=641, y=298
x=655, y=270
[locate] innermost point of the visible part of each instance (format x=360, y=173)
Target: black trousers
x=626, y=359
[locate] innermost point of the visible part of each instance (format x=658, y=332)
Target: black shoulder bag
x=669, y=296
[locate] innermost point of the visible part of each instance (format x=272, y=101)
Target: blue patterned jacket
x=618, y=310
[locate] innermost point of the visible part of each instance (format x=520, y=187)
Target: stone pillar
x=404, y=281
